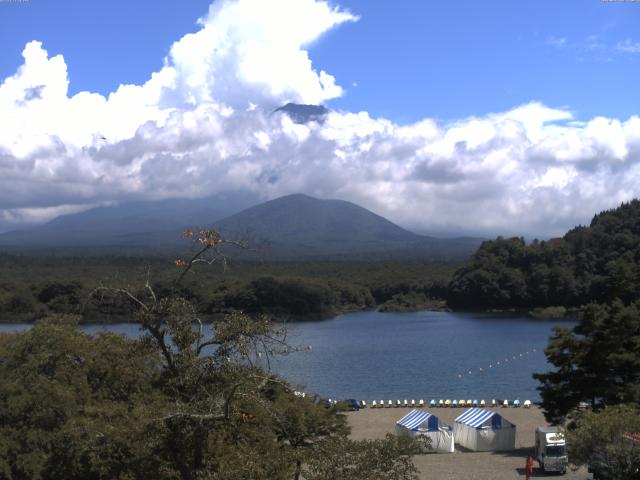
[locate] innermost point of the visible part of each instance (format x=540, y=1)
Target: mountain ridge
x=330, y=216
x=293, y=226
x=303, y=113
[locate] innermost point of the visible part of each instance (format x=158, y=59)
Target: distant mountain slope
x=302, y=219
x=290, y=227
x=599, y=263
x=298, y=225
x=126, y=224
x=304, y=113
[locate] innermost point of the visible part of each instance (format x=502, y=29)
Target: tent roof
x=414, y=419
x=476, y=417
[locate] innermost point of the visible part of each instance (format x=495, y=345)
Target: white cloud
x=628, y=46
x=557, y=42
x=594, y=47
x=254, y=51
x=37, y=215
x=204, y=124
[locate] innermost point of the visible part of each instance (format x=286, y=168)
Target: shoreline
x=12, y=319
x=375, y=423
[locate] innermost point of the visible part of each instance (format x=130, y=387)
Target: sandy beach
x=376, y=423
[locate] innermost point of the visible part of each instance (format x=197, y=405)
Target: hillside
x=302, y=219
x=128, y=225
x=290, y=227
x=595, y=263
x=298, y=225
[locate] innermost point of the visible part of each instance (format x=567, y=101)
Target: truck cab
x=551, y=450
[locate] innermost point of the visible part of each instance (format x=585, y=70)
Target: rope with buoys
x=508, y=360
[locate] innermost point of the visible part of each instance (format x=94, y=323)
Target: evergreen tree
x=598, y=361
x=589, y=264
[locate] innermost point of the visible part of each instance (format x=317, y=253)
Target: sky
x=493, y=117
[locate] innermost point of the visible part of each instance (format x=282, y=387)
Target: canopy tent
x=418, y=422
x=483, y=430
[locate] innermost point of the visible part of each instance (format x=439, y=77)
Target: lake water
x=373, y=355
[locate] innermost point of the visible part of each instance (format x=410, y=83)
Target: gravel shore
x=376, y=423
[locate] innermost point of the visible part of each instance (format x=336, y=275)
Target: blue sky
x=409, y=59
x=496, y=117
x=105, y=44
x=451, y=59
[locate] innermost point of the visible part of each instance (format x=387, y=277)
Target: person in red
x=529, y=467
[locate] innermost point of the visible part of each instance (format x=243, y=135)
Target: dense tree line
x=589, y=264
x=285, y=290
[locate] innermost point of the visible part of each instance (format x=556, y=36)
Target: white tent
x=418, y=422
x=483, y=430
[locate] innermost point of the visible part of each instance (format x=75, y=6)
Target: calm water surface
x=373, y=355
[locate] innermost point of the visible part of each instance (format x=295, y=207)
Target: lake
x=374, y=355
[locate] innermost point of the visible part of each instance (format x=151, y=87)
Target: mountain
x=290, y=227
x=300, y=113
x=298, y=225
x=300, y=218
x=131, y=224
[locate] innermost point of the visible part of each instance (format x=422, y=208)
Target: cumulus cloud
x=204, y=124
x=253, y=51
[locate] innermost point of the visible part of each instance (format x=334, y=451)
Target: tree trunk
x=296, y=475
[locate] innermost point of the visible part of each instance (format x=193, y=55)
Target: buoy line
x=506, y=361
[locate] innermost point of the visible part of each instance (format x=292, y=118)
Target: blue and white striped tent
x=419, y=422
x=483, y=430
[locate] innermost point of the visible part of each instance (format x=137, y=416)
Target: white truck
x=551, y=450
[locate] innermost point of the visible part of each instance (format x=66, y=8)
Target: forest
x=597, y=263
x=34, y=286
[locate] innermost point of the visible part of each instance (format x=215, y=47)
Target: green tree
x=302, y=425
x=608, y=442
x=345, y=459
x=598, y=361
x=597, y=263
x=72, y=405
